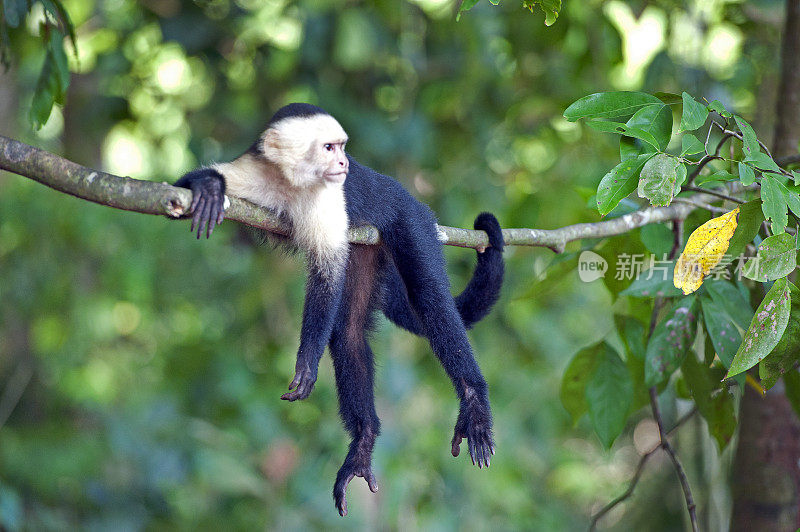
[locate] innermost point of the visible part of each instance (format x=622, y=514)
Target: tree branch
x=162, y=199
x=637, y=474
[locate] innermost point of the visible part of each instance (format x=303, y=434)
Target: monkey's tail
x=477, y=299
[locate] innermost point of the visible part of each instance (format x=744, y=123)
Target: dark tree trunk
x=787, y=123
x=766, y=493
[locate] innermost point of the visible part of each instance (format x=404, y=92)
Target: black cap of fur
x=292, y=110
x=296, y=110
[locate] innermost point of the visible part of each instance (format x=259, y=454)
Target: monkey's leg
x=353, y=367
x=323, y=295
x=418, y=257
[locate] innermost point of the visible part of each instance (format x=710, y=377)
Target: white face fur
x=308, y=150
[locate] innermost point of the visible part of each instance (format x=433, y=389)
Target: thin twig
x=637, y=474
x=713, y=193
x=699, y=205
x=667, y=446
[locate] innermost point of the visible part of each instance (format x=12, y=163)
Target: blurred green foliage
x=150, y=364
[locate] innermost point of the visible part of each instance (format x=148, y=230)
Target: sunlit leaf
x=551, y=9
x=619, y=182
x=704, y=249
x=466, y=5
x=746, y=174
x=776, y=257
x=766, y=329
x=718, y=176
x=609, y=105
x=694, y=114
x=670, y=341
x=608, y=394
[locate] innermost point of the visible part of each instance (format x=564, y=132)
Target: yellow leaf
x=704, y=249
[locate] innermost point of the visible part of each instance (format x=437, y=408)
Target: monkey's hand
x=475, y=424
x=208, y=199
x=302, y=384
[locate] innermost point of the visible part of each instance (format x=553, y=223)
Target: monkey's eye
x=329, y=147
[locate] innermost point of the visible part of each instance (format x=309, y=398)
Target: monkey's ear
x=271, y=143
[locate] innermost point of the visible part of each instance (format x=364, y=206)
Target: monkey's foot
x=475, y=424
x=302, y=384
x=350, y=469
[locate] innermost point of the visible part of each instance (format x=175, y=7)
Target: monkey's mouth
x=338, y=177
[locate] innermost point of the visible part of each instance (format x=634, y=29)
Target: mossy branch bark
x=162, y=199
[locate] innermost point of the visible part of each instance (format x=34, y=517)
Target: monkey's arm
x=477, y=299
x=208, y=198
x=323, y=296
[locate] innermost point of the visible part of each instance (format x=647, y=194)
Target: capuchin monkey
x=298, y=167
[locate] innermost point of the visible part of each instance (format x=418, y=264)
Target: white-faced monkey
x=298, y=168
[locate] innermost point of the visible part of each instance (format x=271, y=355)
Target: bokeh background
x=141, y=369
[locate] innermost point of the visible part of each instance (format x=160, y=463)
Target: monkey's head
x=307, y=144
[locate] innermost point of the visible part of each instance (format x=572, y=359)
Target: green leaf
x=796, y=177
x=690, y=145
x=670, y=341
x=776, y=257
x=655, y=282
x=606, y=126
x=763, y=162
x=631, y=332
x=657, y=238
x=668, y=98
x=774, y=204
x=466, y=5
x=609, y=105
x=716, y=177
x=551, y=9
x=642, y=134
x=45, y=94
x=694, y=114
x=749, y=221
x=61, y=70
x=656, y=121
x=786, y=354
x=749, y=140
x=790, y=196
x=577, y=374
x=619, y=182
x=792, y=382
x=724, y=335
x=657, y=179
x=766, y=329
x=717, y=107
x=715, y=405
x=746, y=174
x=725, y=295
x=608, y=394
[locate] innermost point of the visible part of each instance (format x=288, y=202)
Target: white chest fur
x=317, y=213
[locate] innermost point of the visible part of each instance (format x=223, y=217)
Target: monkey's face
x=333, y=162
x=308, y=150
